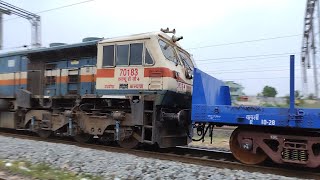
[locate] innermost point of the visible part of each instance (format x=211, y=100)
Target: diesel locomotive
x=132, y=89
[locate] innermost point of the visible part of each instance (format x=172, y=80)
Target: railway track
x=197, y=156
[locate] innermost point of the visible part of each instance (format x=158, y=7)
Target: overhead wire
x=213, y=45
x=254, y=67
x=44, y=11
x=232, y=72
x=261, y=69
x=249, y=56
x=246, y=41
x=223, y=44
x=261, y=78
x=237, y=60
x=217, y=60
x=53, y=9
x=199, y=47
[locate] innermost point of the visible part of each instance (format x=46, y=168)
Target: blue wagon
x=285, y=135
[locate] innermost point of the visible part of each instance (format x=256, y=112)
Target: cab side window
x=108, y=56
x=168, y=51
x=148, y=59
x=136, y=54
x=122, y=55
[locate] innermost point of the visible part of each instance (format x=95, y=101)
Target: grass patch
x=315, y=105
x=42, y=171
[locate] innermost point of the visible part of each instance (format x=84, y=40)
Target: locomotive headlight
x=188, y=74
x=176, y=38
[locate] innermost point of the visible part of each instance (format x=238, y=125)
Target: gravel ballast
x=113, y=165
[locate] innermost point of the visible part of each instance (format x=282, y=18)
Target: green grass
x=304, y=105
x=315, y=105
x=42, y=171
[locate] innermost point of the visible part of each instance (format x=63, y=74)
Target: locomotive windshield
x=169, y=52
x=186, y=60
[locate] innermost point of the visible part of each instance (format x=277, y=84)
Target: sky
x=210, y=30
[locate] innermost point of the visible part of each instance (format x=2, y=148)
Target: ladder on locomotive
x=148, y=122
x=73, y=84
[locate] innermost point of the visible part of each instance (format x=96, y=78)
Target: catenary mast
x=309, y=46
x=6, y=8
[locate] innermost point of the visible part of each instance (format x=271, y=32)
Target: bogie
x=283, y=146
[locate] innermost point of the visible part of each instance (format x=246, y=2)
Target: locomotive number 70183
x=129, y=72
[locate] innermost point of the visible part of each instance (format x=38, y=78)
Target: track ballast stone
x=112, y=165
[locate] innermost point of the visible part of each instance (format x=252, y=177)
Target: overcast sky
x=202, y=23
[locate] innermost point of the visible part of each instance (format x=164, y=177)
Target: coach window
x=148, y=58
x=136, y=54
x=122, y=55
x=108, y=55
x=168, y=51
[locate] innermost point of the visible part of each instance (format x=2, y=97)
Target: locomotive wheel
x=242, y=155
x=129, y=143
x=44, y=133
x=82, y=138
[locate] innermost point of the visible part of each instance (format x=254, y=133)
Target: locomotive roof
x=47, y=49
x=135, y=37
x=83, y=45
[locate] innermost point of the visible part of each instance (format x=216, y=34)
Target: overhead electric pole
x=6, y=8
x=2, y=11
x=309, y=45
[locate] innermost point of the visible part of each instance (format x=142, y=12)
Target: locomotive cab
x=145, y=62
x=155, y=74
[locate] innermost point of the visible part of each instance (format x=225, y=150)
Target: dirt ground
x=220, y=139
